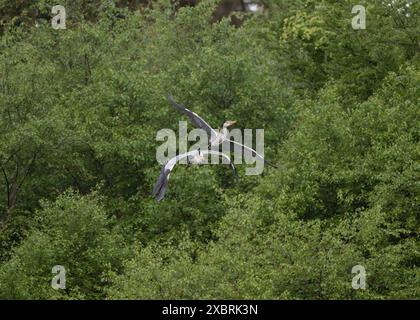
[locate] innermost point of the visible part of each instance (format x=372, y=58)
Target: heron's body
x=197, y=158
x=220, y=137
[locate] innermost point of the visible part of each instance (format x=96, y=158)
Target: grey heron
x=194, y=157
x=216, y=138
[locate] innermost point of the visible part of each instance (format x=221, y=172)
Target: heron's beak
x=231, y=123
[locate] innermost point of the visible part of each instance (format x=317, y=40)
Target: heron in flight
x=216, y=138
x=194, y=157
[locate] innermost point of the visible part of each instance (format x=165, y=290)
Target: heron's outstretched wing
x=161, y=185
x=253, y=152
x=195, y=118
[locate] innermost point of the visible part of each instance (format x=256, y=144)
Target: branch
x=28, y=169
x=7, y=185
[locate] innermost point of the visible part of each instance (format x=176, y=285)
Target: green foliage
x=287, y=259
x=321, y=45
x=74, y=232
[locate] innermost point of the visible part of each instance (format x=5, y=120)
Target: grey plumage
x=195, y=118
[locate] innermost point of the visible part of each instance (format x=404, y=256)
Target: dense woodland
x=80, y=109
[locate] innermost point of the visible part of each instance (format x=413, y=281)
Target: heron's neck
x=224, y=131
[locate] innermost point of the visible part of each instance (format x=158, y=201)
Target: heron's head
x=228, y=124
